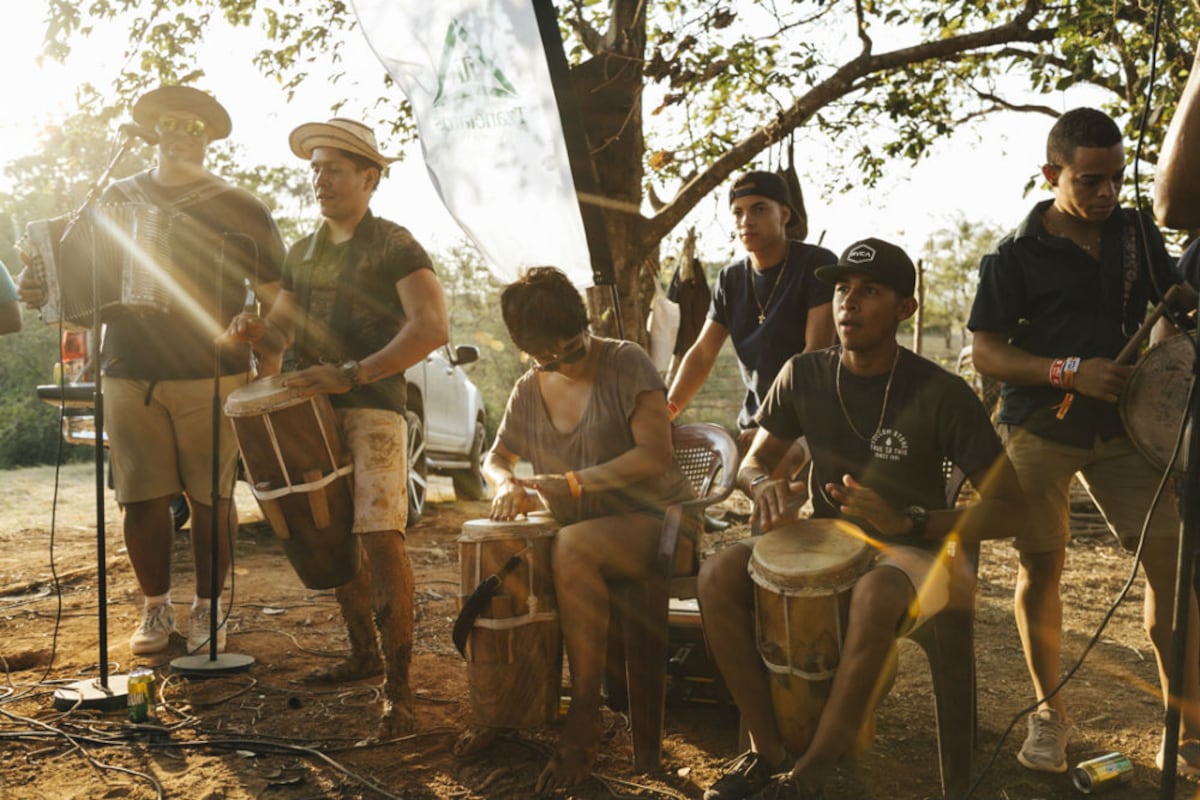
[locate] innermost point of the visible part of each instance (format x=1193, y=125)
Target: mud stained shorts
x=378, y=440
x=160, y=437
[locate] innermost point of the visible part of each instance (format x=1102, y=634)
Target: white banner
x=475, y=74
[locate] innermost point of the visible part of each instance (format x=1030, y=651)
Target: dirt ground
x=261, y=734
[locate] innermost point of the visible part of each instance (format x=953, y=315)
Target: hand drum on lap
x=803, y=574
x=300, y=473
x=514, y=650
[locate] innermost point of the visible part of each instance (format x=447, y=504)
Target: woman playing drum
x=880, y=422
x=591, y=417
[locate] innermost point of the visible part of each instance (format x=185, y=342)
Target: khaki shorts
x=1119, y=479
x=378, y=440
x=160, y=438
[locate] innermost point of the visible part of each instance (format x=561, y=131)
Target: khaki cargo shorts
x=160, y=437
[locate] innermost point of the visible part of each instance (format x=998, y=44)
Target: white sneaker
x=199, y=628
x=152, y=636
x=1045, y=747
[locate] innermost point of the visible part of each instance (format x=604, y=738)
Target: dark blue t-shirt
x=1189, y=264
x=782, y=296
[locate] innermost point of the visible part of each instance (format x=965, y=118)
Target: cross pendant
x=761, y=318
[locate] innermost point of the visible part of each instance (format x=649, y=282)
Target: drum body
x=130, y=246
x=803, y=574
x=1154, y=401
x=514, y=651
x=300, y=473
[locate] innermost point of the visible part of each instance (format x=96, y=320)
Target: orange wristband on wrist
x=574, y=485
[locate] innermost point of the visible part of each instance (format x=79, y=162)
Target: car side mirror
x=465, y=354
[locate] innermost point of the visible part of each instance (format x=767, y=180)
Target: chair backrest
x=707, y=455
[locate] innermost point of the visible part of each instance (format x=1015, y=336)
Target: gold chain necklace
x=762, y=307
x=882, y=411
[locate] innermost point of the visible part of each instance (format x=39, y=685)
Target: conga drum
x=803, y=574
x=514, y=650
x=300, y=474
x=1154, y=401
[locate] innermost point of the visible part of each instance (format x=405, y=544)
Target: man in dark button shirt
x=1058, y=299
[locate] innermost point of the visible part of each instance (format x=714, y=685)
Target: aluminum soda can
x=1104, y=772
x=141, y=694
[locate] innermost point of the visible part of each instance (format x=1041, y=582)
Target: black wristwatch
x=920, y=520
x=350, y=370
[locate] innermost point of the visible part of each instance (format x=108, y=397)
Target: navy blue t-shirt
x=782, y=295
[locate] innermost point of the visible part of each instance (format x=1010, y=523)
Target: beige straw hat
x=344, y=134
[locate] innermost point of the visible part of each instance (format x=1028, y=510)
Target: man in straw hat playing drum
x=359, y=304
x=881, y=422
x=158, y=364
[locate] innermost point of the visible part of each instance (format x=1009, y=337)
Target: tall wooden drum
x=300, y=474
x=803, y=574
x=514, y=651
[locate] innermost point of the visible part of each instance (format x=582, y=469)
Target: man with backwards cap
x=159, y=366
x=359, y=304
x=880, y=421
x=770, y=303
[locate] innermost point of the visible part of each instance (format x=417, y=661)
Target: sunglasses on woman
x=570, y=358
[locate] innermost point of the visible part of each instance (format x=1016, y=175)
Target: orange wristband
x=574, y=485
x=672, y=411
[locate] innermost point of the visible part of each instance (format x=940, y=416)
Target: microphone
x=138, y=132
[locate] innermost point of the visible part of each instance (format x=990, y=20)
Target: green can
x=1104, y=772
x=141, y=694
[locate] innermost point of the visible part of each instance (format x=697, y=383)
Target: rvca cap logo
x=862, y=254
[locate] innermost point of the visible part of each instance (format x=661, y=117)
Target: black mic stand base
x=207, y=666
x=91, y=693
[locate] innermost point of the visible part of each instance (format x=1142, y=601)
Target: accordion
x=129, y=245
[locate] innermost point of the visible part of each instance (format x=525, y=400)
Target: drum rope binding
x=311, y=486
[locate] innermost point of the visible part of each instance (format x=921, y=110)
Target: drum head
x=536, y=525
x=808, y=553
x=1155, y=399
x=260, y=397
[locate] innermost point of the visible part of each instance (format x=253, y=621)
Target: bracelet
x=573, y=484
x=1056, y=371
x=1068, y=374
x=672, y=411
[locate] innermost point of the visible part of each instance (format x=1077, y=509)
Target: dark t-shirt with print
x=931, y=417
x=782, y=295
x=348, y=304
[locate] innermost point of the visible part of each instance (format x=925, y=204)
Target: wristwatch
x=920, y=520
x=350, y=370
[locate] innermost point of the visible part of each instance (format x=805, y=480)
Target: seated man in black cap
x=159, y=364
x=878, y=452
x=359, y=305
x=770, y=302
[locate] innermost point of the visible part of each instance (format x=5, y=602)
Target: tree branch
x=845, y=80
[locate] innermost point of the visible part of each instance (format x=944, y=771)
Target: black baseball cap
x=764, y=184
x=879, y=260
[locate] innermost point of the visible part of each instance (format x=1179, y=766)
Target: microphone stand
x=1186, y=581
x=198, y=665
x=104, y=691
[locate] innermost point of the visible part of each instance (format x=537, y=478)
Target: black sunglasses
x=570, y=358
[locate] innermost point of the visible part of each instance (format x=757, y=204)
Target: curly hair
x=1080, y=127
x=542, y=308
